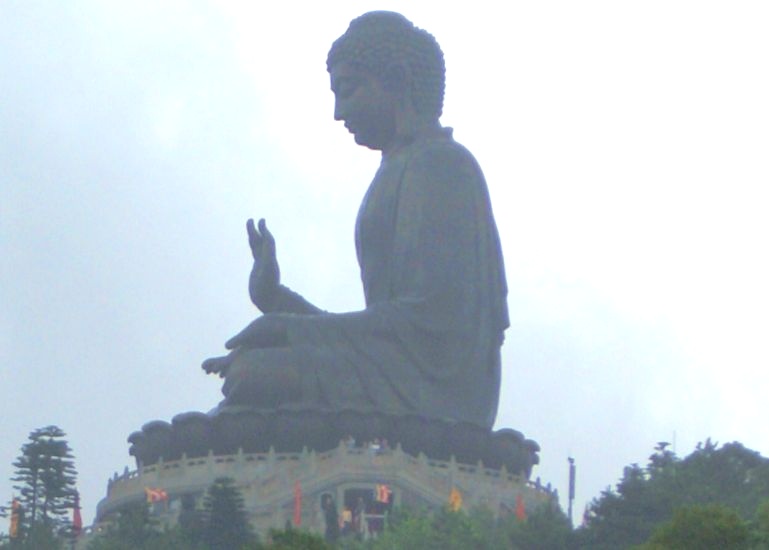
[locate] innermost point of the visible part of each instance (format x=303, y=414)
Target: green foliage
x=293, y=539
x=545, y=529
x=133, y=528
x=445, y=530
x=45, y=479
x=39, y=535
x=761, y=518
x=759, y=527
x=224, y=517
x=221, y=525
x=711, y=527
x=645, y=498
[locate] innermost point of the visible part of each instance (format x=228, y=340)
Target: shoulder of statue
x=440, y=153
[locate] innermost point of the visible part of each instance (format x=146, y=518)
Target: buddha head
x=388, y=78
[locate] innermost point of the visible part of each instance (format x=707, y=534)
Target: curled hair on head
x=377, y=40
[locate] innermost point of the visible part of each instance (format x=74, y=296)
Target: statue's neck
x=406, y=136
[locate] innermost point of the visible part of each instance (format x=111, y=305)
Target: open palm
x=264, y=283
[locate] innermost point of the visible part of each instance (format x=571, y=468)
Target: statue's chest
x=375, y=226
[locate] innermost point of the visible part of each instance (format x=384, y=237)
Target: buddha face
x=368, y=109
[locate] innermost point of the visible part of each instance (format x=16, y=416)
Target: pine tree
x=45, y=476
x=226, y=524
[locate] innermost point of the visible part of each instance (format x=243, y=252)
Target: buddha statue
x=428, y=341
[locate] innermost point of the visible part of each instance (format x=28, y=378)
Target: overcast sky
x=626, y=149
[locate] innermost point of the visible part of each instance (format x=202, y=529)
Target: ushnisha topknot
x=379, y=39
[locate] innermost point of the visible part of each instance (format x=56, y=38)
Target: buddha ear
x=397, y=80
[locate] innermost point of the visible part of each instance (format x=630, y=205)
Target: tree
x=712, y=527
x=546, y=528
x=135, y=529
x=132, y=529
x=221, y=525
x=41, y=535
x=646, y=498
x=224, y=517
x=760, y=527
x=294, y=539
x=444, y=530
x=45, y=477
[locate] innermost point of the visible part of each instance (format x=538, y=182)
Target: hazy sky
x=626, y=149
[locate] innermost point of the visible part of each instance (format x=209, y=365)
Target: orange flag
x=383, y=493
x=455, y=500
x=155, y=495
x=13, y=531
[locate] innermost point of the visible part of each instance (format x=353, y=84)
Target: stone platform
x=345, y=474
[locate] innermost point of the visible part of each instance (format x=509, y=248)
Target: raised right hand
x=264, y=283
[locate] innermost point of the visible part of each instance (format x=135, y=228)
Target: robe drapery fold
x=428, y=341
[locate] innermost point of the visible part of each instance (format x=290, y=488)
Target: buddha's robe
x=428, y=341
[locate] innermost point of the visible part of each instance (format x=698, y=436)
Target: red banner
x=297, y=504
x=77, y=520
x=520, y=508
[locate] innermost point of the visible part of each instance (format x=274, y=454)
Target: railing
x=311, y=459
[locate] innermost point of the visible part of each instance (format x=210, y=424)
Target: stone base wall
x=269, y=483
